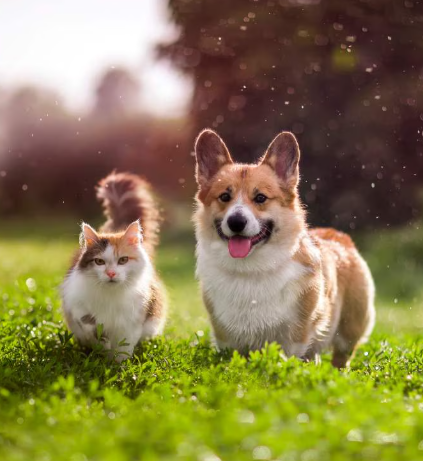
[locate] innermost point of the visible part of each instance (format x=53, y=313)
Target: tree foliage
x=345, y=76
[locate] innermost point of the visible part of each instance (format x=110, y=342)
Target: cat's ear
x=88, y=236
x=133, y=233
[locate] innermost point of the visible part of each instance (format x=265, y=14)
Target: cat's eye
x=225, y=197
x=260, y=198
x=123, y=260
x=99, y=261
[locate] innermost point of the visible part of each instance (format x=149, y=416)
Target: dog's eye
x=99, y=262
x=260, y=198
x=225, y=197
x=123, y=260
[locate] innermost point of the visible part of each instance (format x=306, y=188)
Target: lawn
x=178, y=398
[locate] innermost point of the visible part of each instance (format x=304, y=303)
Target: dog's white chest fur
x=251, y=305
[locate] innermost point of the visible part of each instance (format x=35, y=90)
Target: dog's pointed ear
x=283, y=155
x=211, y=154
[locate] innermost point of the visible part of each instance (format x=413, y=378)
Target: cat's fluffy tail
x=125, y=198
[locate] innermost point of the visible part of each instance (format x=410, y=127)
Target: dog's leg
x=312, y=355
x=356, y=322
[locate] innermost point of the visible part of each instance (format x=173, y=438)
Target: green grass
x=178, y=398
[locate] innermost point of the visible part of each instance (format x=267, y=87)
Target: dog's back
x=329, y=233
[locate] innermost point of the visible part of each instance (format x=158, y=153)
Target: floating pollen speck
x=31, y=284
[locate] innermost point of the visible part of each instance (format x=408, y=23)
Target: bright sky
x=66, y=44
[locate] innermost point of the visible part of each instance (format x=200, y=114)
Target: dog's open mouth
x=240, y=246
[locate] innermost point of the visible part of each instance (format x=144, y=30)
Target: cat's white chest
x=120, y=311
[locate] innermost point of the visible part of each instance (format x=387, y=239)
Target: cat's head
x=113, y=258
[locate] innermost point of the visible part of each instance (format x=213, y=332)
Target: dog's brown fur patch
x=250, y=180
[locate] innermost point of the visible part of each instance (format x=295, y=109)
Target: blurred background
x=88, y=86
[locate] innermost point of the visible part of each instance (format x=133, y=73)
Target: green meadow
x=177, y=398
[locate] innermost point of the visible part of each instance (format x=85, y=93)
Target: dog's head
x=248, y=206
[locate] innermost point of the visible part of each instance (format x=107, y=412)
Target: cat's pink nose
x=111, y=274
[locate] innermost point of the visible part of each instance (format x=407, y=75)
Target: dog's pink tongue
x=239, y=247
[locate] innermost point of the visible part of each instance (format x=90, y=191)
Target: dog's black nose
x=237, y=222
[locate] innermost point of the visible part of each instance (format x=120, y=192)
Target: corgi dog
x=112, y=294
x=264, y=275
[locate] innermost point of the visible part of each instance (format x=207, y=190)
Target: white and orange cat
x=112, y=282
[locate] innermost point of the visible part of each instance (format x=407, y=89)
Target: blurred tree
x=32, y=121
x=345, y=76
x=117, y=94
x=2, y=109
x=50, y=160
x=27, y=109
